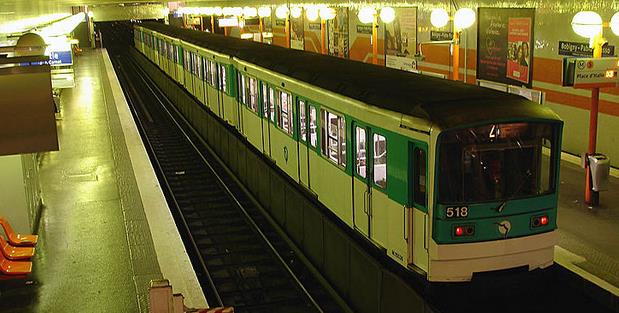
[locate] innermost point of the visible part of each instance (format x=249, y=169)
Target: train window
x=186, y=61
x=177, y=51
x=302, y=126
x=380, y=160
x=313, y=126
x=213, y=71
x=285, y=117
x=253, y=94
x=419, y=180
x=272, y=104
x=243, y=93
x=361, y=148
x=265, y=100
x=334, y=137
x=222, y=77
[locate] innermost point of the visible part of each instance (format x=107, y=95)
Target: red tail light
x=464, y=230
x=539, y=221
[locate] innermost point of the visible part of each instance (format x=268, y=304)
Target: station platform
x=105, y=229
x=588, y=236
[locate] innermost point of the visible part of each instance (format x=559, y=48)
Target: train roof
x=446, y=103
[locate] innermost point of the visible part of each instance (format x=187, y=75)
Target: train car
x=448, y=179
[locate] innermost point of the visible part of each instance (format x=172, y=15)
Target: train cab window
x=419, y=177
x=380, y=160
x=253, y=94
x=334, y=137
x=285, y=118
x=313, y=126
x=272, y=104
x=361, y=148
x=302, y=126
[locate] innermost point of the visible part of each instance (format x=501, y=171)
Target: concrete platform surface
x=96, y=250
x=588, y=236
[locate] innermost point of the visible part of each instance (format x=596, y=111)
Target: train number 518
x=457, y=212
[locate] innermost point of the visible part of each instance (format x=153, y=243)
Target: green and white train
x=447, y=178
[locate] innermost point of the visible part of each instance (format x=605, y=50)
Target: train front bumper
x=458, y=262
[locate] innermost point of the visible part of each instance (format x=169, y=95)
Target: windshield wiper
x=501, y=207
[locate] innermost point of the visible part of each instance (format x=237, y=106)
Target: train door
x=266, y=131
x=361, y=179
x=417, y=208
x=302, y=144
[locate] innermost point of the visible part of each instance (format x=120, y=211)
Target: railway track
x=240, y=259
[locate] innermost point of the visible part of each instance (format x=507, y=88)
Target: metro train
x=448, y=179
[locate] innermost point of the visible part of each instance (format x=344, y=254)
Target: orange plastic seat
x=15, y=253
x=9, y=267
x=17, y=239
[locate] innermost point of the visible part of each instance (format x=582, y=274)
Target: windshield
x=496, y=162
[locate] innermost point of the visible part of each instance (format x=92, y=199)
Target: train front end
x=495, y=205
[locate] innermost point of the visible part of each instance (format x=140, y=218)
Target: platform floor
x=592, y=233
x=95, y=251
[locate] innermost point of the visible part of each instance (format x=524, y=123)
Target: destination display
x=505, y=45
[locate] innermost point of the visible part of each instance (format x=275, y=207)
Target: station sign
x=441, y=36
x=590, y=72
x=228, y=22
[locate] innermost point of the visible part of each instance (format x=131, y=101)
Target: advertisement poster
x=311, y=35
x=401, y=40
x=504, y=45
x=296, y=32
x=338, y=34
x=518, y=48
x=361, y=40
x=279, y=31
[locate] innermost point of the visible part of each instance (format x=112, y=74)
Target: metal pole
x=593, y=197
x=212, y=24
x=288, y=31
x=323, y=36
x=375, y=40
x=261, y=29
x=456, y=56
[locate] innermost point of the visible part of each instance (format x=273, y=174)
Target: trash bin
x=599, y=165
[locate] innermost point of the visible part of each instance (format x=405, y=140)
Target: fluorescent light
x=62, y=27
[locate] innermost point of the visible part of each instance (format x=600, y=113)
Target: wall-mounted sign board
x=581, y=49
x=590, y=73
